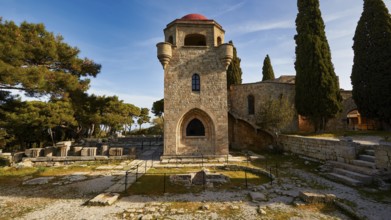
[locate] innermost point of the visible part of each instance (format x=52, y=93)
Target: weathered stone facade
x=280, y=87
x=194, y=47
x=203, y=55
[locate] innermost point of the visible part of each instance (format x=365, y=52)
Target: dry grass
x=384, y=134
x=156, y=181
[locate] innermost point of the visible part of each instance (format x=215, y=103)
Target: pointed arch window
x=250, y=104
x=195, y=82
x=195, y=128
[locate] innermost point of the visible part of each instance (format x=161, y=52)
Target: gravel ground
x=68, y=202
x=61, y=199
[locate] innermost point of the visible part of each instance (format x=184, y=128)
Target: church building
x=202, y=116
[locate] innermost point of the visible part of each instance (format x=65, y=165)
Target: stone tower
x=194, y=59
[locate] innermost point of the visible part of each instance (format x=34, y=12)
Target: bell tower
x=195, y=59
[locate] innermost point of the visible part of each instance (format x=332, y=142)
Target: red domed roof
x=194, y=17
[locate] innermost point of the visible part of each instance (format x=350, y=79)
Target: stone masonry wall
x=339, y=123
x=320, y=149
x=245, y=136
x=180, y=100
x=383, y=156
x=261, y=91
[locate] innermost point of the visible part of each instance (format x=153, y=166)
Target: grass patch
x=156, y=181
x=384, y=134
x=319, y=207
x=276, y=161
x=12, y=174
x=60, y=171
x=380, y=196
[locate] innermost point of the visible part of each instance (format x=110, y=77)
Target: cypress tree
x=317, y=88
x=267, y=69
x=234, y=72
x=371, y=72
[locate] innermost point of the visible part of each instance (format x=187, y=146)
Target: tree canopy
x=143, y=117
x=275, y=114
x=317, y=88
x=158, y=108
x=267, y=69
x=371, y=73
x=234, y=72
x=35, y=61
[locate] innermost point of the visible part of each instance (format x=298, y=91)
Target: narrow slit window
x=250, y=104
x=195, y=83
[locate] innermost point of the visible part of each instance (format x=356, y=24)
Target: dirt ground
x=66, y=197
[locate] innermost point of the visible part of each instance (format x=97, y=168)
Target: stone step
x=368, y=158
x=354, y=168
x=364, y=163
x=357, y=176
x=344, y=179
x=370, y=152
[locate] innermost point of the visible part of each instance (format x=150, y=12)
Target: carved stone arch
x=195, y=145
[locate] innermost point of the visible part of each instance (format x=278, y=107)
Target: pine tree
x=371, y=73
x=317, y=88
x=267, y=69
x=36, y=62
x=234, y=72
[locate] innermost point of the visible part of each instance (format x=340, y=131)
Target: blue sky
x=122, y=35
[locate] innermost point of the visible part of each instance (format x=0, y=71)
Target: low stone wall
x=321, y=149
x=337, y=150
x=254, y=170
x=59, y=161
x=383, y=156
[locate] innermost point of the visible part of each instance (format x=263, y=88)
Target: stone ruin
x=67, y=152
x=203, y=177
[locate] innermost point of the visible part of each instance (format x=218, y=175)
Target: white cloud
x=150, y=41
x=135, y=99
x=228, y=9
x=341, y=14
x=252, y=26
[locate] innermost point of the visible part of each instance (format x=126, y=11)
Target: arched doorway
x=195, y=134
x=357, y=122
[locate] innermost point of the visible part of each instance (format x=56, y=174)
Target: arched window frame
x=195, y=40
x=170, y=40
x=195, y=82
x=219, y=41
x=195, y=128
x=251, y=104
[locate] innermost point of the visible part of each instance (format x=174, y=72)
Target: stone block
x=104, y=150
x=62, y=150
x=88, y=152
x=37, y=152
x=116, y=151
x=64, y=143
x=309, y=197
x=257, y=196
x=38, y=181
x=48, y=152
x=104, y=199
x=77, y=150
x=28, y=152
x=132, y=151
